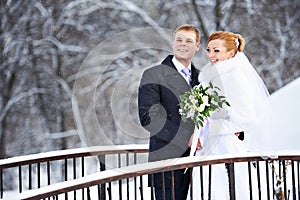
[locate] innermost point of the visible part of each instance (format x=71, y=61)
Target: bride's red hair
x=233, y=41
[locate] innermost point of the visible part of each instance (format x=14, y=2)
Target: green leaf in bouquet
x=211, y=85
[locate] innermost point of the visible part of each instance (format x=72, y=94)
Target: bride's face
x=216, y=51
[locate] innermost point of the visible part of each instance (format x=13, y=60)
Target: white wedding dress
x=248, y=98
x=219, y=184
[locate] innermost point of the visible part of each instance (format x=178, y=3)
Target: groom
x=158, y=104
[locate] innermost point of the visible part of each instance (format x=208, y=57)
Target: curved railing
x=22, y=173
x=130, y=182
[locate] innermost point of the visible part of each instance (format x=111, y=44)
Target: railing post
x=102, y=168
x=38, y=175
x=30, y=176
x=284, y=180
x=293, y=181
x=20, y=179
x=230, y=169
x=1, y=184
x=82, y=174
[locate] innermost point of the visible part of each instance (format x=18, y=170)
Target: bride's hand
x=199, y=145
x=240, y=135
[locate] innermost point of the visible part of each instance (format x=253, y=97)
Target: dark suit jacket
x=158, y=104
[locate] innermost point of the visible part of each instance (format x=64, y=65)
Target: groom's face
x=185, y=45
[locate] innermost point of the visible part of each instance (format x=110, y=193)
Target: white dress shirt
x=180, y=67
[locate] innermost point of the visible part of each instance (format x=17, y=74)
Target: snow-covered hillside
x=286, y=123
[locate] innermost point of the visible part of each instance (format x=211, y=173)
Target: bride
x=237, y=128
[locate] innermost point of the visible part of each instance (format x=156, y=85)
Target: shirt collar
x=178, y=65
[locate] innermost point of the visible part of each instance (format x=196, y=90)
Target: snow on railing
x=18, y=174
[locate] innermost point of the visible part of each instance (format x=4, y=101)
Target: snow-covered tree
x=45, y=44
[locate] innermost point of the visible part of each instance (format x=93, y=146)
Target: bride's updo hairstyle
x=233, y=41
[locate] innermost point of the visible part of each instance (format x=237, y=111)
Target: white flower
x=190, y=113
x=197, y=87
x=237, y=43
x=201, y=108
x=205, y=100
x=193, y=99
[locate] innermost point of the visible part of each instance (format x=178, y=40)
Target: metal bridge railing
x=130, y=182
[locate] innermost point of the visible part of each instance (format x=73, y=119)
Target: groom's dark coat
x=158, y=104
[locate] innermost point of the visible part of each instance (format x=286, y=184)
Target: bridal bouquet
x=198, y=104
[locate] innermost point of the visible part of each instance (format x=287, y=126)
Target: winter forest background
x=67, y=67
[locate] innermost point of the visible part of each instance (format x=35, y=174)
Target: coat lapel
x=175, y=81
x=173, y=78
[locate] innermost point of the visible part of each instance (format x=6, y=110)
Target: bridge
x=121, y=172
